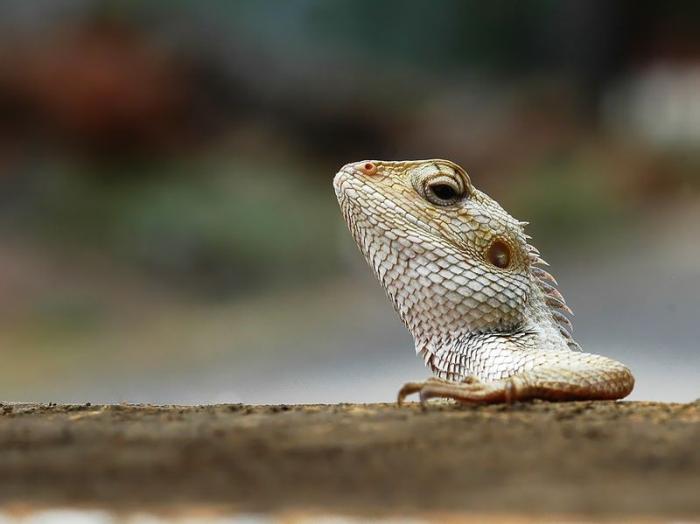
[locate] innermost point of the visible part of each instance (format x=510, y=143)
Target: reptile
x=485, y=315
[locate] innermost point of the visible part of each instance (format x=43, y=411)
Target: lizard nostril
x=369, y=168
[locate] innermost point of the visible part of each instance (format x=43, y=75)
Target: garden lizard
x=485, y=316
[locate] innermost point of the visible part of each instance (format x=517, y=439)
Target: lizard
x=485, y=315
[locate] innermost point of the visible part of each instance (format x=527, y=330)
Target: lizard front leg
x=568, y=376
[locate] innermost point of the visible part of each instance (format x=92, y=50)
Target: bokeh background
x=168, y=229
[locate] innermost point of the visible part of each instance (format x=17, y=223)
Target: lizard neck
x=439, y=308
x=489, y=355
x=446, y=297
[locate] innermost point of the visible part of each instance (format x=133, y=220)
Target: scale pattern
x=469, y=287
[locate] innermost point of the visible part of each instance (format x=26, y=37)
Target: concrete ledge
x=579, y=458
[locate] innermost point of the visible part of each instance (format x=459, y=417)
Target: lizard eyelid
x=443, y=190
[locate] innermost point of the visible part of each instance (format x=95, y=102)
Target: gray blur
x=168, y=229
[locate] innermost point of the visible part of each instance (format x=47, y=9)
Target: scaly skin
x=486, y=319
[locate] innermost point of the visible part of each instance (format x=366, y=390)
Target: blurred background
x=168, y=228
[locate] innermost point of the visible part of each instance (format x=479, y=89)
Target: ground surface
x=584, y=458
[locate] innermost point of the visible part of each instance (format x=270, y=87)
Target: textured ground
x=591, y=459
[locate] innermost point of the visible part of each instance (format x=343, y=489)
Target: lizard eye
x=498, y=254
x=443, y=191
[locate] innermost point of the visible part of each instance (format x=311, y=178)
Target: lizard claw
x=469, y=391
x=409, y=388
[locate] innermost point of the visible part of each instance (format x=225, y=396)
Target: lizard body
x=485, y=317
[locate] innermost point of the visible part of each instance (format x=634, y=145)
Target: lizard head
x=451, y=259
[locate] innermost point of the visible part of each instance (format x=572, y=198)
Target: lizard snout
x=365, y=167
x=355, y=170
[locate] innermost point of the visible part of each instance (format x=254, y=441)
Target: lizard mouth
x=352, y=188
x=341, y=181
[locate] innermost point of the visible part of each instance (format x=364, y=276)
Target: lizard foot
x=469, y=391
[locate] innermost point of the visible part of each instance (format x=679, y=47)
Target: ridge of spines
x=552, y=296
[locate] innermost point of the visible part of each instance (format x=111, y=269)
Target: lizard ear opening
x=499, y=254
